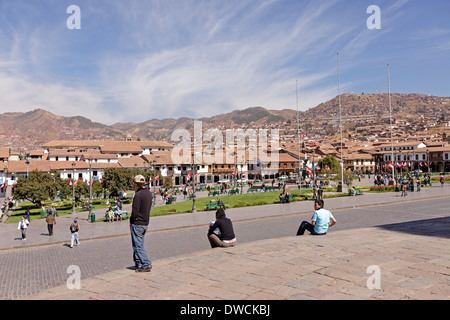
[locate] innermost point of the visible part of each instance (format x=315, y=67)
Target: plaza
x=407, y=238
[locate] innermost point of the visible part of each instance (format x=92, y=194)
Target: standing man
x=74, y=228
x=321, y=221
x=139, y=220
x=51, y=221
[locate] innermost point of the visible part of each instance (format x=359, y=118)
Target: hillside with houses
x=78, y=148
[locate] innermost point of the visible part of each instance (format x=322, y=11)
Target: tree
x=117, y=179
x=331, y=162
x=121, y=179
x=40, y=186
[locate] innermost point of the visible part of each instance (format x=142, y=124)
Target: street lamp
x=90, y=188
x=194, y=209
x=314, y=176
x=27, y=161
x=73, y=187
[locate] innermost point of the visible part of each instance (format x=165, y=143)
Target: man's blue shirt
x=322, y=217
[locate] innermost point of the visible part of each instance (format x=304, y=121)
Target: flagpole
x=298, y=141
x=340, y=124
x=390, y=120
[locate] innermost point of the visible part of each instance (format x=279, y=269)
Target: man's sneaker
x=144, y=269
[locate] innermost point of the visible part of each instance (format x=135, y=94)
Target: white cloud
x=138, y=60
x=21, y=95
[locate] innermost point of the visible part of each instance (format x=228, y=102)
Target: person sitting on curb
x=322, y=219
x=226, y=238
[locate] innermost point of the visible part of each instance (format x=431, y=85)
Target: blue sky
x=145, y=59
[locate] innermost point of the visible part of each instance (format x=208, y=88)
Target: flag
x=390, y=166
x=157, y=177
x=70, y=182
x=308, y=170
x=328, y=168
x=189, y=175
x=317, y=169
x=76, y=182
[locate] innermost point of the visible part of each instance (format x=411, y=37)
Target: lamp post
x=27, y=161
x=73, y=187
x=90, y=188
x=314, y=176
x=194, y=209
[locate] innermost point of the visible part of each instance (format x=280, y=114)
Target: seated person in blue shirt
x=117, y=213
x=321, y=220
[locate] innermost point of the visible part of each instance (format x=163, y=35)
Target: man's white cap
x=139, y=179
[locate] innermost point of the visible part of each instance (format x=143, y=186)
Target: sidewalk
x=338, y=266
x=412, y=265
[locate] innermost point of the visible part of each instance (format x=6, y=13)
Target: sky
x=136, y=60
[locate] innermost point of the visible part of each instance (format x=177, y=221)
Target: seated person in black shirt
x=226, y=238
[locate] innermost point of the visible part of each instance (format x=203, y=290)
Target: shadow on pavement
x=436, y=227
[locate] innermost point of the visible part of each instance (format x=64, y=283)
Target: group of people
x=24, y=224
x=115, y=213
x=220, y=233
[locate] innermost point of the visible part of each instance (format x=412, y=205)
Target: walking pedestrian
x=321, y=220
x=320, y=193
x=74, y=237
x=52, y=210
x=22, y=226
x=139, y=221
x=27, y=213
x=226, y=238
x=442, y=180
x=51, y=221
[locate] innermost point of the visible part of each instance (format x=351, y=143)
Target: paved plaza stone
x=391, y=262
x=308, y=267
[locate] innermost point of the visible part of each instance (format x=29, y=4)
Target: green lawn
x=230, y=201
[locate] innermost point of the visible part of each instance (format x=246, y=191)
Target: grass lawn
x=230, y=201
x=35, y=213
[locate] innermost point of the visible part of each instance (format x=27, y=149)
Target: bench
x=213, y=193
x=271, y=188
x=291, y=198
x=212, y=205
x=254, y=189
x=357, y=192
x=124, y=215
x=234, y=191
x=171, y=200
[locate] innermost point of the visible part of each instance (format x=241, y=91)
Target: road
x=29, y=270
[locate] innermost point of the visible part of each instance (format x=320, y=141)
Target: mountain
x=377, y=104
x=32, y=129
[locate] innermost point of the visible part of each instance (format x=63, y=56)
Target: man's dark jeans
x=137, y=239
x=305, y=225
